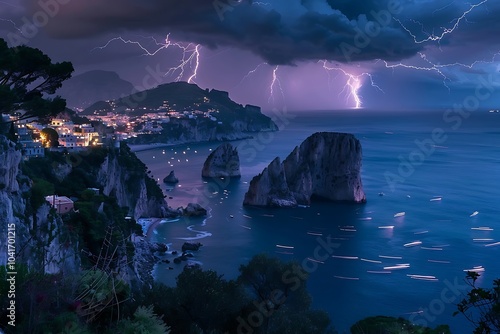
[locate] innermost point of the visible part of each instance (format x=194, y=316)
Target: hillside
x=195, y=114
x=85, y=89
x=178, y=96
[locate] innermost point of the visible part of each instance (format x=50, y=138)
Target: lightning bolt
x=251, y=72
x=431, y=68
x=439, y=68
x=353, y=84
x=445, y=31
x=275, y=83
x=14, y=24
x=190, y=54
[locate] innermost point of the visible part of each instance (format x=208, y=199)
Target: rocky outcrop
x=193, y=210
x=123, y=176
x=171, y=178
x=224, y=161
x=9, y=197
x=189, y=246
x=326, y=165
x=41, y=242
x=9, y=165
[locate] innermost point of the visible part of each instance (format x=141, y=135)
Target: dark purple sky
x=448, y=47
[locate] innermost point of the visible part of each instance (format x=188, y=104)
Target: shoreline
x=152, y=146
x=146, y=147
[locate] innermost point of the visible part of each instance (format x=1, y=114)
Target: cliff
x=326, y=165
x=9, y=187
x=224, y=161
x=41, y=242
x=123, y=176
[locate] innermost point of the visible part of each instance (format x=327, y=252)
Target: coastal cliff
x=41, y=242
x=10, y=200
x=124, y=177
x=224, y=161
x=326, y=165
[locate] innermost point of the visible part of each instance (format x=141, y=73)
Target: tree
x=27, y=78
x=481, y=307
x=144, y=322
x=279, y=298
x=50, y=137
x=205, y=299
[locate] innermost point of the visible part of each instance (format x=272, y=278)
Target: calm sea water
x=463, y=169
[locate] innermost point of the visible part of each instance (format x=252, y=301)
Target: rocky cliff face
x=9, y=196
x=224, y=161
x=130, y=186
x=326, y=165
x=43, y=247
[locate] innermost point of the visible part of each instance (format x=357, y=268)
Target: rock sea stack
x=326, y=165
x=171, y=178
x=222, y=162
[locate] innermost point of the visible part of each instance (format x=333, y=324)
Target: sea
x=432, y=182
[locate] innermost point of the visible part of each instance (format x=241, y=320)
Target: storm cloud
x=285, y=32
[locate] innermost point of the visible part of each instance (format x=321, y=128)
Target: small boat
x=432, y=248
x=476, y=269
x=414, y=243
x=231, y=216
x=475, y=213
x=345, y=257
x=436, y=199
x=347, y=278
x=485, y=228
x=286, y=247
x=372, y=261
x=493, y=244
x=397, y=267
x=399, y=214
x=391, y=257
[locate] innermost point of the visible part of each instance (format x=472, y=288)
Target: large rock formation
x=222, y=162
x=123, y=176
x=40, y=243
x=9, y=167
x=326, y=165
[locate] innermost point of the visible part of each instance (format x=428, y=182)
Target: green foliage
x=143, y=322
x=390, y=325
x=481, y=307
x=39, y=190
x=275, y=283
x=66, y=323
x=279, y=290
x=99, y=295
x=27, y=77
x=204, y=302
x=137, y=171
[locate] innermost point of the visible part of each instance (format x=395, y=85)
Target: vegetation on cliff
x=27, y=78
